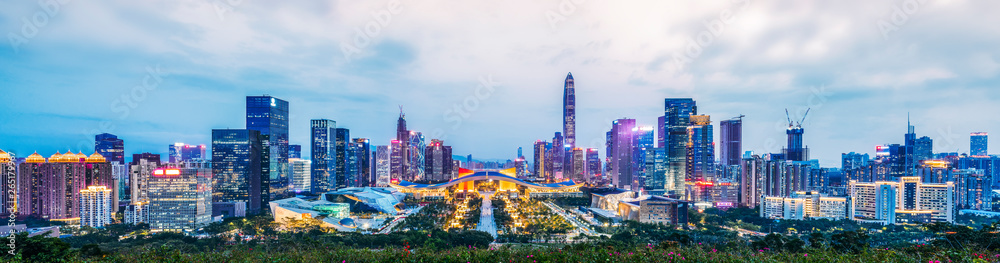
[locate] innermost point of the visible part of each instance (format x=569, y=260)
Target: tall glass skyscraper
x=978, y=143
x=364, y=152
x=569, y=111
x=295, y=151
x=109, y=146
x=621, y=156
x=731, y=148
x=642, y=140
x=238, y=158
x=342, y=139
x=558, y=156
x=324, y=142
x=269, y=116
x=701, y=150
x=677, y=117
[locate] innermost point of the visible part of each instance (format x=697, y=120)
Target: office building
x=109, y=146
x=677, y=118
x=95, y=206
x=438, y=162
x=415, y=164
x=363, y=150
x=341, y=144
x=906, y=201
x=301, y=175
x=324, y=157
x=642, y=140
x=382, y=165
x=238, y=168
x=558, y=155
x=621, y=153
x=269, y=116
x=594, y=169
x=923, y=149
x=136, y=213
x=180, y=152
x=569, y=111
x=751, y=180
x=180, y=199
x=294, y=151
x=731, y=141
x=979, y=142
x=540, y=161
x=397, y=160
x=140, y=170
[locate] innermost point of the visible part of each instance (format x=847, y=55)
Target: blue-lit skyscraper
x=341, y=145
x=238, y=168
x=364, y=153
x=109, y=146
x=558, y=156
x=642, y=140
x=978, y=143
x=269, y=116
x=677, y=117
x=323, y=149
x=415, y=165
x=294, y=151
x=701, y=150
x=622, y=131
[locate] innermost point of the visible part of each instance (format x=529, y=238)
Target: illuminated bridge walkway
x=486, y=223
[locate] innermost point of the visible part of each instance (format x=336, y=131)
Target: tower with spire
x=569, y=111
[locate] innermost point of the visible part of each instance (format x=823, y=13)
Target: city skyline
x=847, y=90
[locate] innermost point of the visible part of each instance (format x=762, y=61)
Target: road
x=572, y=220
x=486, y=222
x=398, y=220
x=744, y=232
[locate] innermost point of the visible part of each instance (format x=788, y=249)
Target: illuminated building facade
x=238, y=168
x=438, y=161
x=95, y=206
x=180, y=199
x=677, y=118
x=269, y=116
x=324, y=159
x=109, y=146
x=802, y=205
x=978, y=143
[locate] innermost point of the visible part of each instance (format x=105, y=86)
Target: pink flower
x=807, y=254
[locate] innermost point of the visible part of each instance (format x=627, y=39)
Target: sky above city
x=487, y=77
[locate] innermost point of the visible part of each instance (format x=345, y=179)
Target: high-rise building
x=751, y=180
x=294, y=151
x=397, y=159
x=364, y=152
x=95, y=206
x=415, y=164
x=141, y=169
x=642, y=140
x=579, y=174
x=342, y=139
x=238, y=158
x=180, y=152
x=907, y=200
x=621, y=157
x=8, y=173
x=382, y=165
x=569, y=111
x=594, y=170
x=978, y=143
x=539, y=160
x=323, y=154
x=352, y=165
x=731, y=140
x=558, y=157
x=656, y=170
x=854, y=165
x=180, y=199
x=301, y=177
x=677, y=118
x=400, y=151
x=269, y=116
x=973, y=189
x=924, y=149
x=109, y=146
x=438, y=161
x=51, y=188
x=700, y=150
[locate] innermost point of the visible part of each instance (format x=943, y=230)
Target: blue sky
x=860, y=65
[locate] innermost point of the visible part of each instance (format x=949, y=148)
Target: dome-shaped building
x=34, y=158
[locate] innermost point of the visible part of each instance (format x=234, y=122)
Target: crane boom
x=804, y=117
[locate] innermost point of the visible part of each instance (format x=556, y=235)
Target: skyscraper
x=731, y=139
x=180, y=152
x=924, y=149
x=677, y=116
x=539, y=160
x=382, y=165
x=180, y=199
x=594, y=169
x=238, y=158
x=323, y=154
x=642, y=140
x=342, y=139
x=141, y=169
x=109, y=146
x=701, y=149
x=95, y=206
x=438, y=161
x=403, y=139
x=978, y=143
x=269, y=116
x=51, y=189
x=415, y=164
x=569, y=111
x=301, y=177
x=621, y=157
x=397, y=157
x=294, y=151
x=558, y=156
x=364, y=153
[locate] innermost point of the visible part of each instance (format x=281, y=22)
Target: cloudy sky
x=487, y=77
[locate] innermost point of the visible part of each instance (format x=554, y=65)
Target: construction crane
x=798, y=124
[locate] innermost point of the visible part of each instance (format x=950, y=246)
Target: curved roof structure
x=487, y=175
